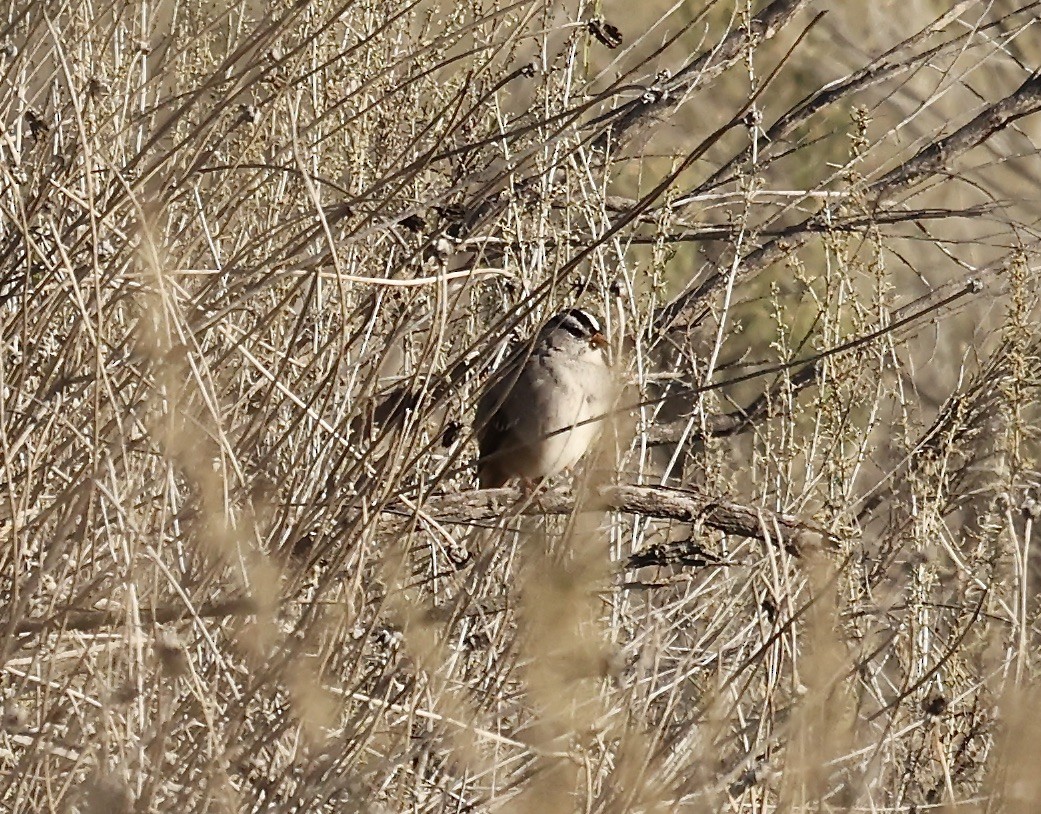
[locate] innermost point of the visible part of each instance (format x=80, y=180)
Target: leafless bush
x=255, y=270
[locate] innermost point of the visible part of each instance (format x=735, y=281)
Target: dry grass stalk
x=257, y=267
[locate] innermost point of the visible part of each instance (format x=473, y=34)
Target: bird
x=533, y=419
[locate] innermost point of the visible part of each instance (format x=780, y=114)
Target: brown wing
x=493, y=426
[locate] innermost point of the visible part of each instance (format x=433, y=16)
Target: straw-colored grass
x=257, y=262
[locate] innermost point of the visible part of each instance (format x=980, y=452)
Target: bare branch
x=938, y=156
x=624, y=122
x=660, y=502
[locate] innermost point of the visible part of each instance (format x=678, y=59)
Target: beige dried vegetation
x=256, y=262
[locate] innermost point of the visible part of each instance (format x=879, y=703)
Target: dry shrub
x=257, y=262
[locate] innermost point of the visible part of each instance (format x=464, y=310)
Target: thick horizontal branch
x=687, y=309
x=687, y=505
x=863, y=223
x=486, y=505
x=95, y=619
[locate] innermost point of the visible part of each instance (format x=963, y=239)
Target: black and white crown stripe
x=578, y=323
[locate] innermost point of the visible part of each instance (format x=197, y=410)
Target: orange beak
x=598, y=341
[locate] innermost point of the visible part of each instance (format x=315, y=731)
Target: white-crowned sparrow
x=533, y=419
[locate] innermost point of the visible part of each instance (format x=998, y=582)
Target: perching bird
x=530, y=419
